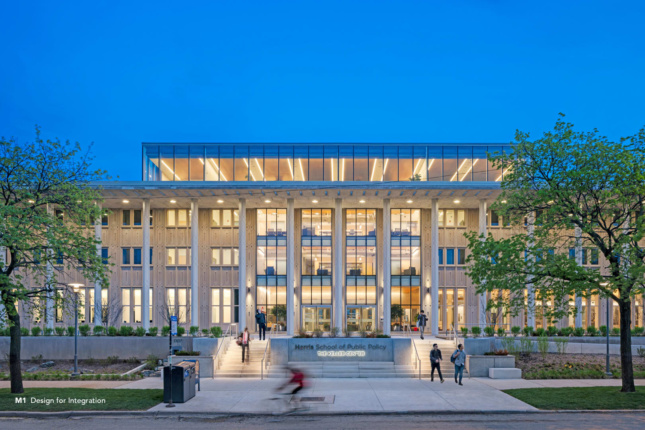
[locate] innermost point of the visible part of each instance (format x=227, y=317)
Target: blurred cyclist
x=297, y=379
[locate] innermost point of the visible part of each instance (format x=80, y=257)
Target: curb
x=205, y=415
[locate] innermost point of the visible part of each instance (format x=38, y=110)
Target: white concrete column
x=578, y=255
x=145, y=265
x=194, y=262
x=49, y=302
x=339, y=266
x=242, y=265
x=98, y=306
x=482, y=297
x=387, y=266
x=291, y=256
x=530, y=294
x=434, y=268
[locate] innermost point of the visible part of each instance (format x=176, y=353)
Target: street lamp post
x=76, y=288
x=607, y=371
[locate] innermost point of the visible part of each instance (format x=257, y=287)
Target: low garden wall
x=62, y=347
x=478, y=365
x=574, y=345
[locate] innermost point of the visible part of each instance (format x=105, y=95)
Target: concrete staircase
x=447, y=347
x=347, y=369
x=231, y=365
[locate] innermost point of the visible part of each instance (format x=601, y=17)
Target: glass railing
x=320, y=162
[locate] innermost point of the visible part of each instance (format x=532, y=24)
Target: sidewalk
x=357, y=395
x=347, y=396
x=363, y=395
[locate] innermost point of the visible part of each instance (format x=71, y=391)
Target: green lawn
x=71, y=399
x=580, y=398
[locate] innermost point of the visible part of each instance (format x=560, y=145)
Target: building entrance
x=316, y=318
x=361, y=318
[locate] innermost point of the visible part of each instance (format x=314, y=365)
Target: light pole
x=607, y=371
x=76, y=288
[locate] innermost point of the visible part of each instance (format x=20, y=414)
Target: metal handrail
x=226, y=339
x=417, y=357
x=267, y=349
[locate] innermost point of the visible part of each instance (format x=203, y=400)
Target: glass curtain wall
x=365, y=163
x=360, y=272
x=406, y=268
x=271, y=275
x=316, y=276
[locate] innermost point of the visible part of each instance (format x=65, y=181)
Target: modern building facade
x=354, y=236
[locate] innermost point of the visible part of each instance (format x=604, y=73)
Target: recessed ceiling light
x=409, y=201
x=220, y=201
x=314, y=201
x=126, y=201
x=267, y=201
x=362, y=201
x=456, y=202
x=173, y=201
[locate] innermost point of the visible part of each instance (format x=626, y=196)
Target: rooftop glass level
x=320, y=162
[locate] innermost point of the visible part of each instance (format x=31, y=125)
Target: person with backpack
x=435, y=362
x=261, y=321
x=459, y=359
x=244, y=340
x=422, y=319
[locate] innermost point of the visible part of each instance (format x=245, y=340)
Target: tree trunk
x=14, y=354
x=626, y=365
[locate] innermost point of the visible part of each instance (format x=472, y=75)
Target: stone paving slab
x=234, y=395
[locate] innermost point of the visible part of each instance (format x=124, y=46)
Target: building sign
x=340, y=350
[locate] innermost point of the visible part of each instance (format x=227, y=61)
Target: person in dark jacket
x=244, y=341
x=422, y=319
x=261, y=320
x=435, y=362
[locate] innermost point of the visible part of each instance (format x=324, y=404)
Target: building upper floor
x=321, y=162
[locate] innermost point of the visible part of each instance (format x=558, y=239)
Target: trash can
x=183, y=382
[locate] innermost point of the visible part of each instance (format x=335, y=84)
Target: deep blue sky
x=119, y=73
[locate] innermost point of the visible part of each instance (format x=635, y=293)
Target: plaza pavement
x=355, y=395
x=364, y=395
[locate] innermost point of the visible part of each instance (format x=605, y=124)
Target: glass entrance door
x=316, y=318
x=361, y=318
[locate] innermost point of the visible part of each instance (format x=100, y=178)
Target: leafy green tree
x=47, y=210
x=279, y=312
x=563, y=189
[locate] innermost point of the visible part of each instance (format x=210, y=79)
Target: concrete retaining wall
x=62, y=347
x=479, y=346
x=478, y=365
x=340, y=349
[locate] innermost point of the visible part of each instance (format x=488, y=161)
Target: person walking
x=244, y=340
x=422, y=319
x=459, y=359
x=435, y=362
x=261, y=320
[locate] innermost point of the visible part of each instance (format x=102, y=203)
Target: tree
x=279, y=312
x=396, y=313
x=46, y=229
x=562, y=190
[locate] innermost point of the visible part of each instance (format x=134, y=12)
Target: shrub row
x=86, y=330
x=550, y=331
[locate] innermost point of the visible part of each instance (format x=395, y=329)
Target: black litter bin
x=183, y=382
